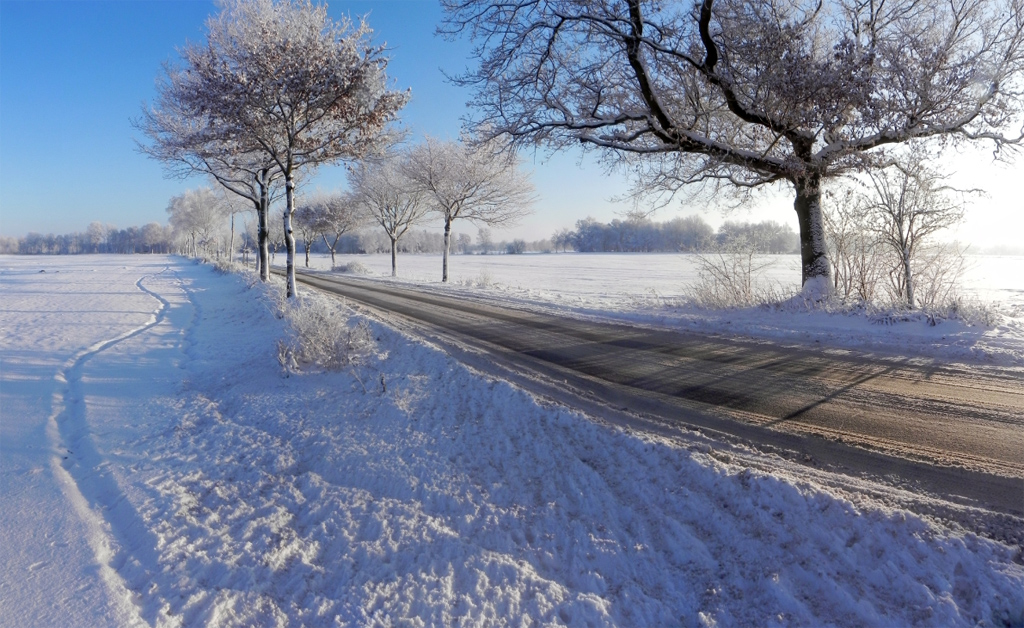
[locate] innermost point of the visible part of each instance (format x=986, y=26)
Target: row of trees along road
x=277, y=89
x=458, y=181
x=740, y=94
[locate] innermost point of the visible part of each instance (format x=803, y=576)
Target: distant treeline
x=97, y=238
x=157, y=238
x=689, y=235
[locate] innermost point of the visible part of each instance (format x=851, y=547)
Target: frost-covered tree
x=764, y=237
x=155, y=237
x=338, y=214
x=387, y=196
x=906, y=205
x=195, y=217
x=307, y=222
x=232, y=205
x=282, y=80
x=561, y=239
x=98, y=235
x=746, y=93
x=470, y=181
x=185, y=137
x=275, y=233
x=483, y=235
x=250, y=176
x=687, y=233
x=328, y=217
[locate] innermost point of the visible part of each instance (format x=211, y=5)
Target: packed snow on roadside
x=655, y=289
x=161, y=468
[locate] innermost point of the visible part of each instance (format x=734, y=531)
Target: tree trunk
x=815, y=268
x=330, y=247
x=447, y=246
x=263, y=212
x=909, y=278
x=289, y=237
x=231, y=242
x=394, y=258
x=307, y=245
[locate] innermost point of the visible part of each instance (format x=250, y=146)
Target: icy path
x=204, y=488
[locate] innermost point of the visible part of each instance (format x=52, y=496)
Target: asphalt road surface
x=952, y=430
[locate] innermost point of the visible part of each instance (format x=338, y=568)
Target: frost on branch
x=323, y=336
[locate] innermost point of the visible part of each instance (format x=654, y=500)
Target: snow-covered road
x=159, y=468
x=952, y=416
x=655, y=289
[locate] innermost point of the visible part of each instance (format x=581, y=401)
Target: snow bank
x=412, y=491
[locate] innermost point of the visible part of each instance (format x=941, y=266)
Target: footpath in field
x=169, y=472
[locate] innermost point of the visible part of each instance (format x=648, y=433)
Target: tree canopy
x=279, y=85
x=469, y=180
x=388, y=197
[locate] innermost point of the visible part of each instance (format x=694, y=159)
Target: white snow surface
x=654, y=288
x=159, y=468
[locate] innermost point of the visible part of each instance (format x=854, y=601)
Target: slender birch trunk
x=289, y=236
x=231, y=242
x=909, y=277
x=394, y=258
x=447, y=246
x=330, y=247
x=264, y=229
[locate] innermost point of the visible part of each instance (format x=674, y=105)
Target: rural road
x=949, y=430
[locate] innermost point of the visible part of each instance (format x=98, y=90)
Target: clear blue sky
x=74, y=74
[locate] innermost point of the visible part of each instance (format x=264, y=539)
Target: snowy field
x=653, y=289
x=159, y=468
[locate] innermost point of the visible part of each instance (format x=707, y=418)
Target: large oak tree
x=746, y=92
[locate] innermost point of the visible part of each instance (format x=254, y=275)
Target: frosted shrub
x=483, y=280
x=226, y=266
x=515, y=247
x=353, y=268
x=322, y=335
x=730, y=277
x=937, y=273
x=975, y=312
